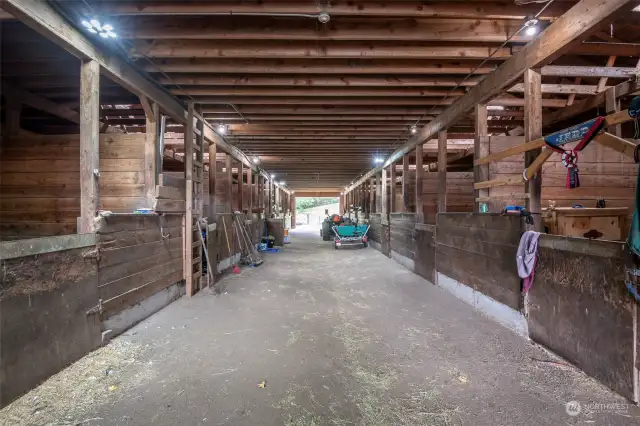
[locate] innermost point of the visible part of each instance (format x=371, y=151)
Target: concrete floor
x=338, y=338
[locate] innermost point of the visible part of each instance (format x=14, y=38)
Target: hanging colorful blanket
x=584, y=132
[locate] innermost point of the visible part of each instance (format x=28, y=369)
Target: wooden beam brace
x=148, y=108
x=558, y=38
x=610, y=120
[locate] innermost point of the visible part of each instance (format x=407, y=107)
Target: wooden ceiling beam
x=560, y=89
x=586, y=71
x=607, y=49
x=314, y=80
x=360, y=101
x=313, y=91
x=309, y=49
x=400, y=9
x=42, y=18
x=340, y=67
x=227, y=28
x=557, y=39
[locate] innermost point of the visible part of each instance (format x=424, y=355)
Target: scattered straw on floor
x=71, y=396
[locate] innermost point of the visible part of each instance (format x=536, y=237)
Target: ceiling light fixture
x=495, y=107
x=222, y=129
x=273, y=175
x=414, y=130
x=256, y=160
x=378, y=160
x=531, y=27
x=323, y=17
x=95, y=27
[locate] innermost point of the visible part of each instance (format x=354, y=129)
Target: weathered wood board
x=40, y=182
x=425, y=254
x=479, y=250
x=44, y=325
x=579, y=308
x=139, y=256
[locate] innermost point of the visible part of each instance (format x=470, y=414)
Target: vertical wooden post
x=372, y=195
x=89, y=144
x=212, y=180
x=419, y=196
x=384, y=195
x=151, y=146
x=250, y=185
x=240, y=186
x=260, y=190
x=229, y=178
x=292, y=204
x=442, y=171
x=188, y=217
x=378, y=193
x=480, y=150
x=405, y=183
x=270, y=197
x=392, y=187
x=613, y=105
x=532, y=131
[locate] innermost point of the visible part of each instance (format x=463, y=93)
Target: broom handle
x=226, y=236
x=206, y=255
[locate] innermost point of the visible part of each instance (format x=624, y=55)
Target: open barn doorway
x=311, y=211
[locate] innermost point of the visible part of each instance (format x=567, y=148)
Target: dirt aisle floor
x=338, y=338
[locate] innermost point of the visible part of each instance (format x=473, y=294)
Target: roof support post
x=213, y=167
x=89, y=144
x=532, y=131
x=392, y=186
x=405, y=183
x=480, y=150
x=229, y=178
x=151, y=152
x=240, y=186
x=378, y=193
x=442, y=171
x=372, y=196
x=419, y=196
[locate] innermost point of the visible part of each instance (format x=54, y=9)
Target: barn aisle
x=335, y=337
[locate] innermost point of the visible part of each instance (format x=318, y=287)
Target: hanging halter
x=584, y=132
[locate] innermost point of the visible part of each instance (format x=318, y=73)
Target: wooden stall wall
x=479, y=251
x=375, y=231
x=44, y=325
x=402, y=238
x=40, y=182
x=459, y=194
x=140, y=256
x=425, y=254
x=579, y=308
x=604, y=173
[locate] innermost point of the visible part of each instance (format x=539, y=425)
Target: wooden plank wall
x=40, y=182
x=579, y=307
x=139, y=256
x=459, y=194
x=425, y=255
x=44, y=325
x=402, y=234
x=604, y=173
x=375, y=228
x=479, y=250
